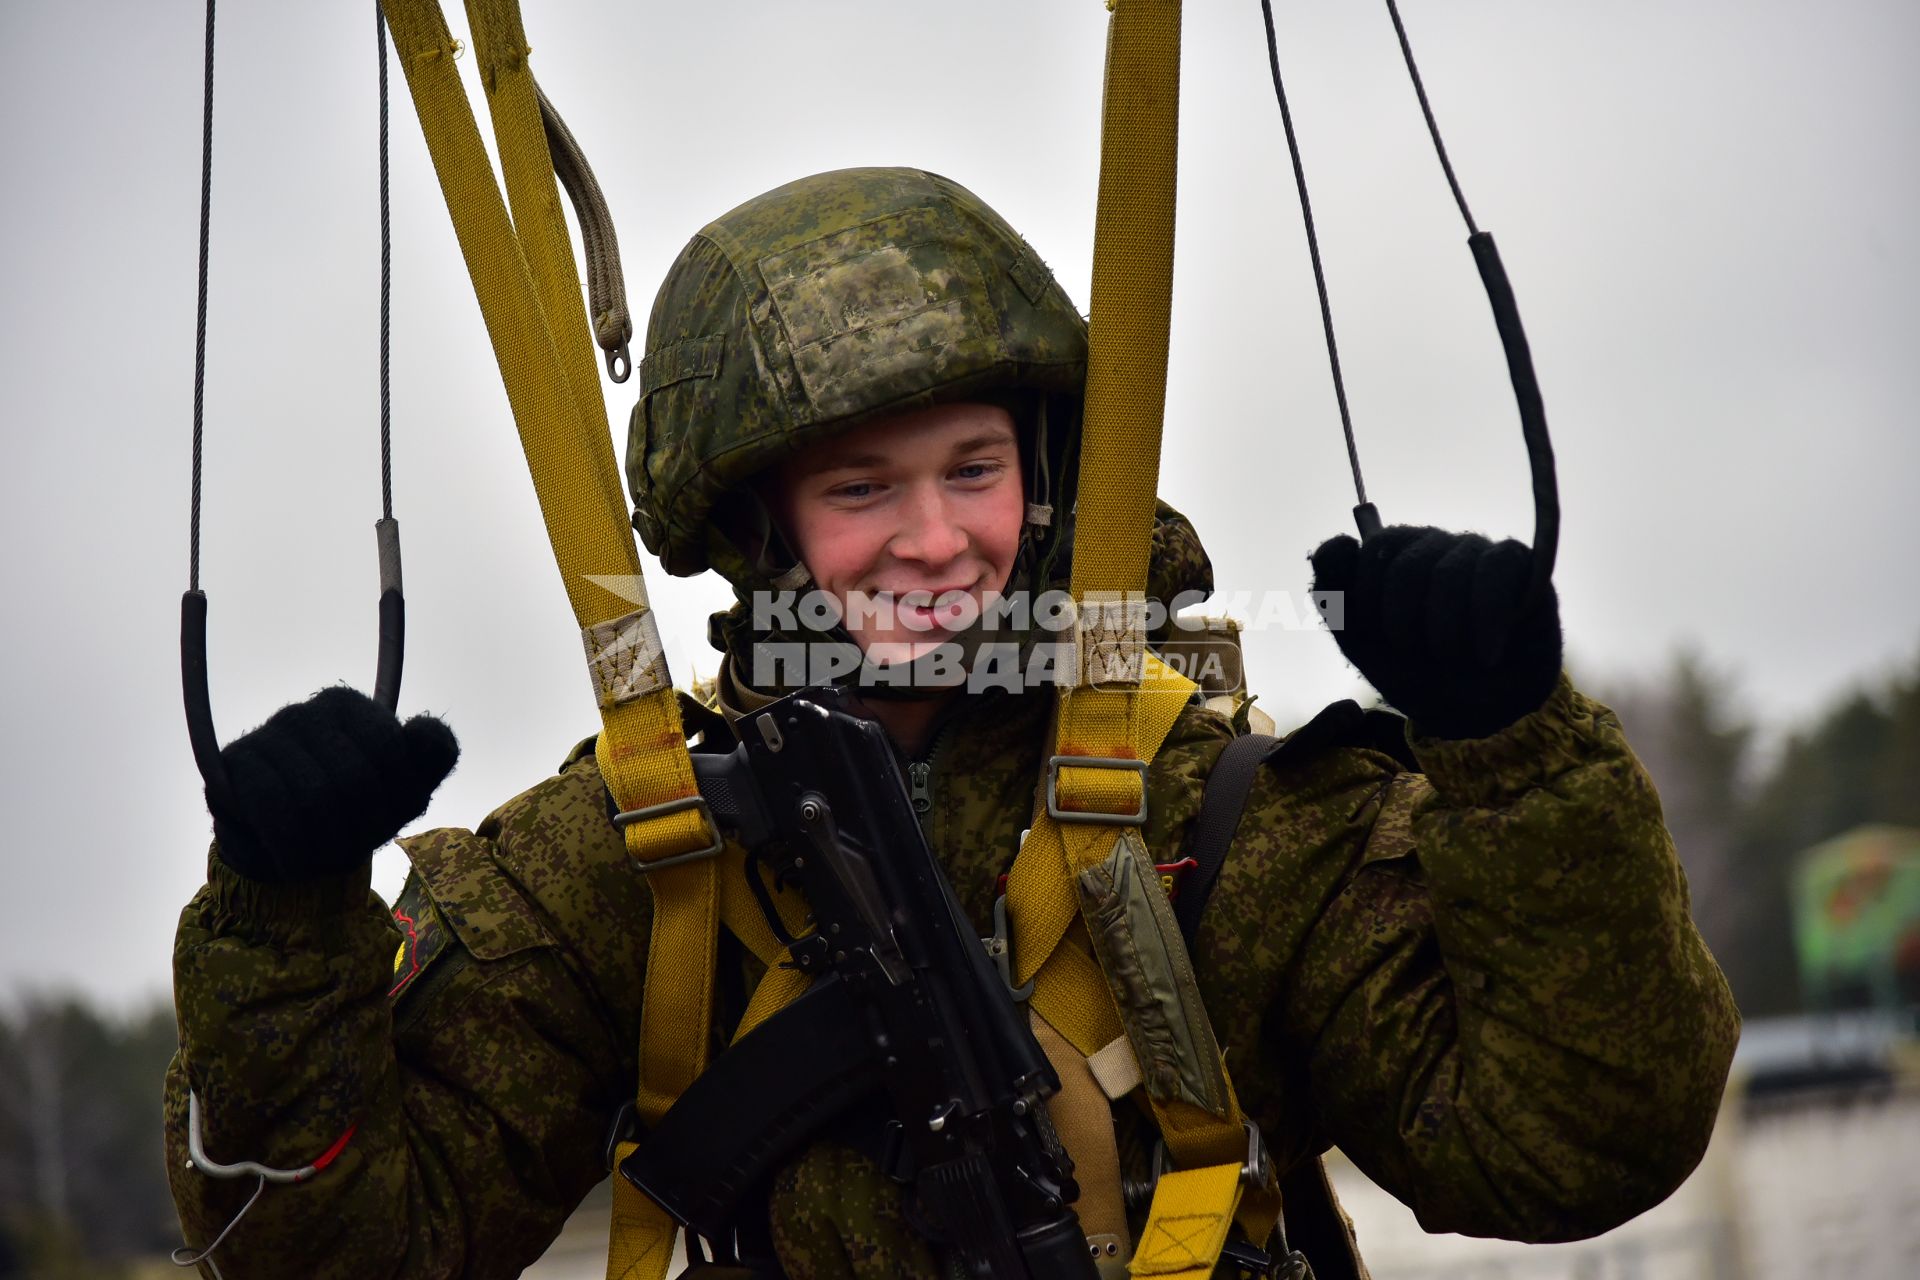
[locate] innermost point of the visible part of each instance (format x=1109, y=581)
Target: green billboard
x=1857, y=918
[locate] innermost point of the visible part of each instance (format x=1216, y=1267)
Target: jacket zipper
x=920, y=772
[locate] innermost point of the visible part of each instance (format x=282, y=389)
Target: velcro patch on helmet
x=678, y=361
x=1031, y=274
x=879, y=312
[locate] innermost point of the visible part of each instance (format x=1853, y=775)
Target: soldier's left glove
x=322, y=784
x=1433, y=620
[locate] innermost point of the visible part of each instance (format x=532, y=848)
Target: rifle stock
x=753, y=1108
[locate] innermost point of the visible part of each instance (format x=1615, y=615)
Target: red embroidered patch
x=423, y=937
x=1172, y=873
x=406, y=965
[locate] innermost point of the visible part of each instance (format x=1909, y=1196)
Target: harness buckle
x=1258, y=1170
x=1239, y=1259
x=1255, y=1172
x=625, y=1128
x=627, y=817
x=1000, y=951
x=1054, y=811
x=1248, y=1262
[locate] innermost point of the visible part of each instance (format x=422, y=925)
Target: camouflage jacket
x=1479, y=979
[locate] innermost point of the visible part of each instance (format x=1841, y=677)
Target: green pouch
x=1138, y=944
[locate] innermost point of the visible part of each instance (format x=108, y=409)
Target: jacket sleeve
x=1509, y=1019
x=478, y=1093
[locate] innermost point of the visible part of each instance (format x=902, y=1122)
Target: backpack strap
x=1218, y=823
x=1343, y=724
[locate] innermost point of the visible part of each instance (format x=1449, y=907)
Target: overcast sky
x=1707, y=211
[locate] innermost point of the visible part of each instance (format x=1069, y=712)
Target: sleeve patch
x=423, y=936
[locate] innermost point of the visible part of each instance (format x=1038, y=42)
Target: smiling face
x=902, y=518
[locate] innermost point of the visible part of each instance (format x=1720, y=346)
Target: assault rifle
x=904, y=999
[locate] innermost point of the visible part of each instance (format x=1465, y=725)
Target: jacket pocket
x=458, y=912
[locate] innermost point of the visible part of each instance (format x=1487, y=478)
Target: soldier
x=1464, y=956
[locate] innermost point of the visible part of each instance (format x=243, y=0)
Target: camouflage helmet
x=822, y=304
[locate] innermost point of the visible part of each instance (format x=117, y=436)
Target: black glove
x=322, y=784
x=1434, y=622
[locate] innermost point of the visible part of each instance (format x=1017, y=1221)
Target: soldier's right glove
x=322, y=784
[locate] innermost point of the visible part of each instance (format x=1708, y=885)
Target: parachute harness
x=1108, y=724
x=525, y=279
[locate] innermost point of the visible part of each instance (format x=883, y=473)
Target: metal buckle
x=1257, y=1169
x=628, y=817
x=1000, y=951
x=625, y=1128
x=1249, y=1262
x=1054, y=811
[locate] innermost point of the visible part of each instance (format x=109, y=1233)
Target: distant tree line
x=83, y=1190
x=1740, y=819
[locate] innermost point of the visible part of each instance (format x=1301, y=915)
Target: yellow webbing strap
x=1187, y=1227
x=1131, y=310
x=640, y=1238
x=528, y=290
x=524, y=276
x=1073, y=998
x=1111, y=712
x=500, y=46
x=778, y=986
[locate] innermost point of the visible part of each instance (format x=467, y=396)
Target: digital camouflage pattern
x=817, y=306
x=833, y=1213
x=1480, y=980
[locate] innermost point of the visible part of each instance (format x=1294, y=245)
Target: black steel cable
x=193, y=604
x=1313, y=249
x=1426, y=109
x=1513, y=341
x=200, y=320
x=386, y=284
